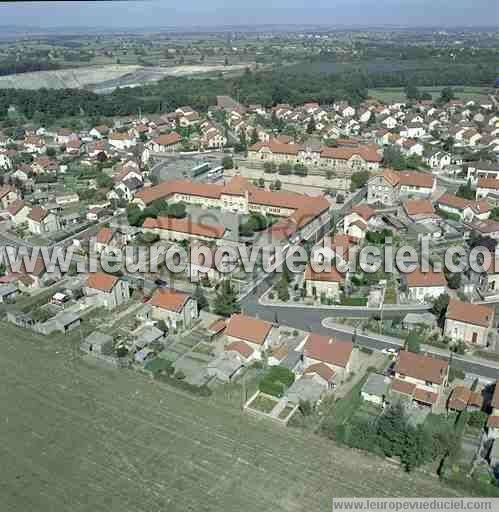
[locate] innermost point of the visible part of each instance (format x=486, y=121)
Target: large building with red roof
x=358, y=157
x=299, y=212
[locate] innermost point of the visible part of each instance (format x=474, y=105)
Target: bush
x=269, y=167
x=477, y=419
x=455, y=373
x=366, y=350
x=228, y=162
x=300, y=170
x=276, y=380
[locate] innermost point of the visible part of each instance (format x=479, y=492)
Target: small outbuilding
x=375, y=389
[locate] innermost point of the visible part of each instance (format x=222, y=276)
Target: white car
x=389, y=351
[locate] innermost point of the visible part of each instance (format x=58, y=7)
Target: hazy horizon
x=159, y=14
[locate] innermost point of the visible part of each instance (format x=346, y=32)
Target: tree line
x=267, y=88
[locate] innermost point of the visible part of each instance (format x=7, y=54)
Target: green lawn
x=263, y=403
x=77, y=437
x=395, y=94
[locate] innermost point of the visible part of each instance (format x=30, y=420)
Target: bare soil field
x=104, y=78
x=83, y=438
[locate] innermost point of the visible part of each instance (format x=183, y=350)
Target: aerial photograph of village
x=248, y=256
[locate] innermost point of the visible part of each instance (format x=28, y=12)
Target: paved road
x=469, y=364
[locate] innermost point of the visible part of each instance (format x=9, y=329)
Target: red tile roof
x=169, y=299
x=418, y=207
x=476, y=314
x=416, y=179
x=185, y=226
x=168, y=139
x=421, y=367
x=368, y=152
x=6, y=189
x=491, y=183
x=277, y=147
x=37, y=214
x=104, y=235
x=364, y=210
x=425, y=279
x=424, y=396
x=328, y=350
x=459, y=203
x=459, y=398
x=332, y=276
x=248, y=328
x=217, y=326
x=321, y=369
x=240, y=347
x=405, y=388
x=101, y=281
x=15, y=207
x=493, y=421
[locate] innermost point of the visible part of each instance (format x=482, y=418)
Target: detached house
x=493, y=421
x=416, y=183
x=327, y=356
x=253, y=333
x=470, y=323
x=106, y=238
x=106, y=290
x=466, y=209
x=357, y=222
x=42, y=221
x=8, y=195
x=488, y=188
x=425, y=286
x=420, y=378
x=166, y=143
x=462, y=398
x=18, y=211
x=323, y=284
x=121, y=141
x=177, y=309
x=417, y=210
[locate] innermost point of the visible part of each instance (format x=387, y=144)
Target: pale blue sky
x=157, y=13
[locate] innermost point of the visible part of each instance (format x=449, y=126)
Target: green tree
x=392, y=430
x=226, y=300
x=446, y=95
x=51, y=152
x=358, y=180
x=393, y=157
x=439, y=307
x=104, y=181
x=311, y=127
x=177, y=210
x=269, y=167
x=412, y=93
x=454, y=281
x=465, y=191
x=413, y=342
x=227, y=162
x=300, y=170
x=254, y=136
x=201, y=298
x=282, y=289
